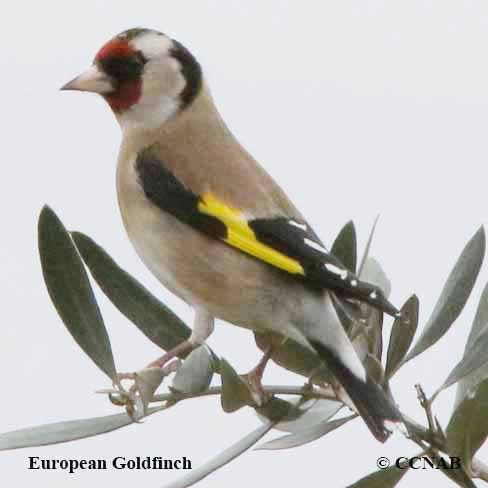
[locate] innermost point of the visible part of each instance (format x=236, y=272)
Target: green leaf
x=292, y=356
x=44, y=435
x=345, y=246
x=479, y=325
x=195, y=374
x=402, y=334
x=459, y=476
x=156, y=321
x=71, y=293
x=374, y=332
x=383, y=478
x=368, y=247
x=305, y=436
x=311, y=413
x=374, y=273
x=480, y=319
x=147, y=381
x=468, y=427
x=277, y=410
x=374, y=368
x=351, y=315
x=454, y=295
x=235, y=392
x=472, y=361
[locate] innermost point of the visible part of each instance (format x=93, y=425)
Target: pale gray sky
x=355, y=107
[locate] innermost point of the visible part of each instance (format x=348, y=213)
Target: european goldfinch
x=213, y=226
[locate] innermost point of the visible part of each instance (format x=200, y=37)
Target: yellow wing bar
x=242, y=237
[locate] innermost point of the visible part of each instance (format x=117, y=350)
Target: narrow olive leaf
x=70, y=291
x=479, y=324
x=293, y=356
x=147, y=381
x=195, y=374
x=58, y=432
x=311, y=413
x=345, y=246
x=222, y=459
x=374, y=368
x=351, y=315
x=480, y=319
x=368, y=247
x=401, y=336
x=374, y=333
x=454, y=295
x=305, y=436
x=458, y=475
x=235, y=392
x=468, y=427
x=156, y=321
x=473, y=360
x=383, y=478
x=374, y=273
x=276, y=409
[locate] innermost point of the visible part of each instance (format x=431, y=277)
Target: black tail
x=372, y=403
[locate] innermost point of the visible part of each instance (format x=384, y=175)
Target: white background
x=355, y=107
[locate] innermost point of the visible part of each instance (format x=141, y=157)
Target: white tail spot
x=336, y=270
x=315, y=245
x=297, y=224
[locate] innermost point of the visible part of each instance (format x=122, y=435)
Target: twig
x=427, y=438
x=271, y=389
x=425, y=404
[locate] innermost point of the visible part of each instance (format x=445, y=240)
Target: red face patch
x=127, y=95
x=115, y=48
x=124, y=65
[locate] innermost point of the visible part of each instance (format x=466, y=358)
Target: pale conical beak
x=91, y=80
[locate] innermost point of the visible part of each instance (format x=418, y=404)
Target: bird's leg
x=203, y=326
x=134, y=399
x=255, y=376
x=182, y=348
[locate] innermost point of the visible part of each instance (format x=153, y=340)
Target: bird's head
x=145, y=76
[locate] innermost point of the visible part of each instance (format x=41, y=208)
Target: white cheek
x=143, y=116
x=159, y=99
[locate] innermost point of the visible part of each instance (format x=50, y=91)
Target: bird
x=214, y=227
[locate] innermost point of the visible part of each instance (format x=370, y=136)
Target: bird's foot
x=137, y=396
x=181, y=349
x=255, y=376
x=143, y=384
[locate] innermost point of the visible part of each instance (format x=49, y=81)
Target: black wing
x=284, y=243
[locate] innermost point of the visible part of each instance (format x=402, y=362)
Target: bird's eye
x=124, y=68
